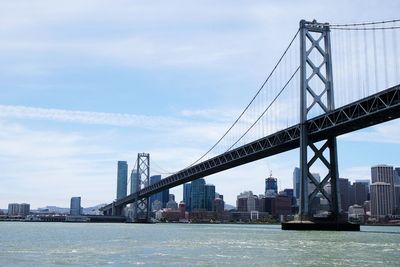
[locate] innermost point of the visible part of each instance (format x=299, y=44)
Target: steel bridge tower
x=141, y=207
x=316, y=93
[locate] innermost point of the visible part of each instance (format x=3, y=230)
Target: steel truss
x=142, y=205
x=381, y=107
x=316, y=84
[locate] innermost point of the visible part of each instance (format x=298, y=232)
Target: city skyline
x=77, y=99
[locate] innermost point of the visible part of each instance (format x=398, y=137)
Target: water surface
x=55, y=244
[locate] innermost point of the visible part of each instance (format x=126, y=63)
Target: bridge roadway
x=380, y=107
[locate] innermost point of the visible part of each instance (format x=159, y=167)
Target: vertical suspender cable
x=385, y=58
x=396, y=56
x=366, y=61
x=375, y=60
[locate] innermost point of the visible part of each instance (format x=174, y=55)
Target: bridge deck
x=381, y=107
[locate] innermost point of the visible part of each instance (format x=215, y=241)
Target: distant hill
x=229, y=207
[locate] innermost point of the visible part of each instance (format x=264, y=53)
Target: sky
x=87, y=83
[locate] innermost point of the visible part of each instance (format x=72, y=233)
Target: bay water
x=103, y=244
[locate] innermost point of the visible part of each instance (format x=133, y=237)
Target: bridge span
x=372, y=110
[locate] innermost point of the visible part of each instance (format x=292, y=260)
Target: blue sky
x=87, y=83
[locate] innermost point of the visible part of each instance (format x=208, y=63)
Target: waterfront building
x=283, y=205
x=356, y=214
x=269, y=204
x=75, y=208
x=271, y=186
x=360, y=192
x=13, y=209
x=397, y=199
x=344, y=189
x=187, y=191
x=218, y=205
x=122, y=179
x=209, y=196
x=24, y=209
x=247, y=202
x=182, y=210
x=396, y=179
x=296, y=182
x=135, y=181
x=384, y=174
x=198, y=194
x=381, y=200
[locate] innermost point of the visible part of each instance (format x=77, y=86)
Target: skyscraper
x=296, y=182
x=396, y=176
x=397, y=190
x=122, y=179
x=344, y=186
x=198, y=194
x=209, y=196
x=271, y=186
x=75, y=208
x=381, y=202
x=135, y=181
x=163, y=196
x=382, y=174
x=360, y=191
x=187, y=190
x=158, y=196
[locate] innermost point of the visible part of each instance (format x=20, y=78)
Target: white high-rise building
x=383, y=174
x=381, y=200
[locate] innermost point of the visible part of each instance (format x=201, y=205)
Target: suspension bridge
x=331, y=79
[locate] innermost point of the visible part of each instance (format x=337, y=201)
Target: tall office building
x=198, y=194
x=397, y=190
x=360, y=191
x=163, y=196
x=271, y=186
x=75, y=208
x=158, y=196
x=396, y=176
x=344, y=189
x=187, y=191
x=383, y=174
x=122, y=179
x=13, y=209
x=135, y=181
x=209, y=196
x=24, y=209
x=381, y=200
x=296, y=182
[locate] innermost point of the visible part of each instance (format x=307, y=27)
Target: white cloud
x=86, y=117
x=383, y=133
